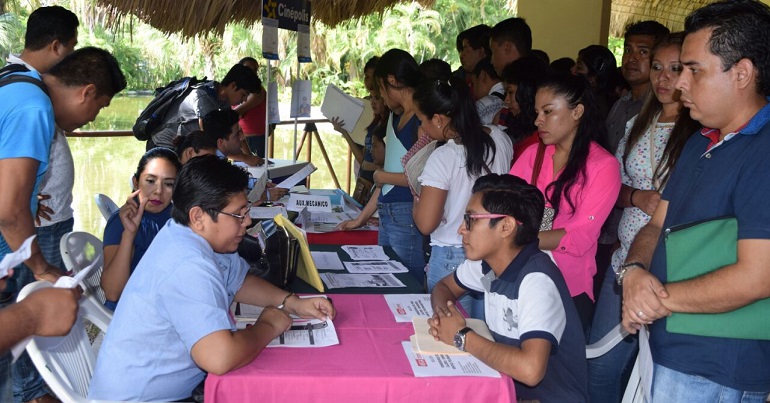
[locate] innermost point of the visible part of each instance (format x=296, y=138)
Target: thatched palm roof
x=192, y=17
x=670, y=13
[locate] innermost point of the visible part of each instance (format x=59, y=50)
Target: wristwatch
x=460, y=338
x=624, y=269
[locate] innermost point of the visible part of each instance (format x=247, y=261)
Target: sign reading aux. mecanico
x=288, y=13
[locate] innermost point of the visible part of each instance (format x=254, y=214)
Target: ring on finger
x=640, y=313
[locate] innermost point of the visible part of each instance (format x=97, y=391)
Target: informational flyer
x=273, y=114
x=379, y=266
x=426, y=365
x=407, y=306
x=327, y=260
x=13, y=259
x=365, y=252
x=301, y=94
x=334, y=280
x=270, y=38
x=303, y=43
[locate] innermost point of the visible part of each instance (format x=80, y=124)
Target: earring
x=438, y=126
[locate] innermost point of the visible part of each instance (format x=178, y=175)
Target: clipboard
x=701, y=247
x=306, y=269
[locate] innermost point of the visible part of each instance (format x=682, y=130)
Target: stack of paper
x=424, y=343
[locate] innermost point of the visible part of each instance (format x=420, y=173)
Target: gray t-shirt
x=183, y=117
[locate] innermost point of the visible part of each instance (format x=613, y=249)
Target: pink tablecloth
x=343, y=238
x=369, y=365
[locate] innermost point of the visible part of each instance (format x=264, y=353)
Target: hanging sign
x=289, y=13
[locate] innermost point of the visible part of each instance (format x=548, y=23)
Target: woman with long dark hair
x=580, y=181
x=521, y=79
x=448, y=115
x=647, y=153
x=396, y=76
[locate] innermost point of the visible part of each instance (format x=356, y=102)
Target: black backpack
x=8, y=76
x=153, y=116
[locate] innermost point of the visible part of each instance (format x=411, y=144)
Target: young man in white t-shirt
x=538, y=338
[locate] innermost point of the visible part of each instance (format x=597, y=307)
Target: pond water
x=105, y=165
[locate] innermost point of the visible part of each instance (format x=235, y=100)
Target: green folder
x=696, y=249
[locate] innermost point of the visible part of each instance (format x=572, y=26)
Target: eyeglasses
x=241, y=217
x=470, y=217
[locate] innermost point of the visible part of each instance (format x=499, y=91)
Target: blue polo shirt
x=530, y=300
x=730, y=179
x=406, y=136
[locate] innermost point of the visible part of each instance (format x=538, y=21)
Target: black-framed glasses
x=241, y=217
x=470, y=217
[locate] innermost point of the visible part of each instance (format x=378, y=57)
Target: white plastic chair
x=106, y=205
x=633, y=392
x=67, y=363
x=78, y=250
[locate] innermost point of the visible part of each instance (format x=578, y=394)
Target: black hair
x=401, y=65
x=244, y=78
x=514, y=30
x=48, y=24
x=196, y=139
x=601, y=65
x=208, y=182
x=91, y=65
x=248, y=59
x=435, y=69
x=153, y=153
x=575, y=90
x=454, y=100
x=477, y=37
x=649, y=28
x=526, y=73
x=380, y=132
x=218, y=124
x=684, y=127
x=542, y=55
x=563, y=65
x=740, y=30
x=371, y=63
x=486, y=66
x=512, y=196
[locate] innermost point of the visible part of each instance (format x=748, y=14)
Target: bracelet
x=283, y=303
x=631, y=198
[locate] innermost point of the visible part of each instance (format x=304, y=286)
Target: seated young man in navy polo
x=173, y=322
x=539, y=340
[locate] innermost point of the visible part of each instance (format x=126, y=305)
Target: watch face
x=459, y=341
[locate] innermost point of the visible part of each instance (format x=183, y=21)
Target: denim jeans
x=443, y=262
x=609, y=373
x=397, y=230
x=673, y=386
x=49, y=237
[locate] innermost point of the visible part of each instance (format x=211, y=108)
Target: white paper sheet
x=338, y=104
x=292, y=180
x=303, y=43
x=365, y=252
x=259, y=185
x=334, y=280
x=267, y=212
x=16, y=258
x=301, y=95
x=270, y=38
x=425, y=365
x=327, y=260
x=423, y=342
x=273, y=112
x=407, y=306
x=378, y=266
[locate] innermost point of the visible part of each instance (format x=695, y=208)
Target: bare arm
x=117, y=258
x=47, y=312
x=364, y=215
x=549, y=240
x=252, y=101
x=17, y=183
x=382, y=177
x=429, y=209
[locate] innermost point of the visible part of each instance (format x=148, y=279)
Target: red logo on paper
x=421, y=362
x=400, y=310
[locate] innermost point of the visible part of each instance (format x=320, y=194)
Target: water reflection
x=105, y=165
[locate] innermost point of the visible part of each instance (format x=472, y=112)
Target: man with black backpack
x=192, y=103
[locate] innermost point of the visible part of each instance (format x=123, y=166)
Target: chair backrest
x=66, y=363
x=633, y=392
x=78, y=251
x=106, y=205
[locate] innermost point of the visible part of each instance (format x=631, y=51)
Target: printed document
x=294, y=179
x=334, y=280
x=327, y=260
x=16, y=258
x=338, y=104
x=365, y=252
x=425, y=365
x=407, y=306
x=388, y=266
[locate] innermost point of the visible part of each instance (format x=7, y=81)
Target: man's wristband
x=286, y=298
x=625, y=268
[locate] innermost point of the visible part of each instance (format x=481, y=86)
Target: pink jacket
x=593, y=202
